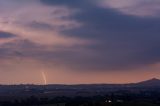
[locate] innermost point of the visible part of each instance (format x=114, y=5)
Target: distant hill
x=77, y=90
x=154, y=82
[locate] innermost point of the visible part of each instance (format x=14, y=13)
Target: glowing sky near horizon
x=79, y=41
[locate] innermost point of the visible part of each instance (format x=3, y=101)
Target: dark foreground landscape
x=146, y=93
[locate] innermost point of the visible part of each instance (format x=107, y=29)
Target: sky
x=79, y=41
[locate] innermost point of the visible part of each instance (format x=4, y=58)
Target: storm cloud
x=124, y=39
x=85, y=35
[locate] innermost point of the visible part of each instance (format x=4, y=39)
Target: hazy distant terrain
x=145, y=93
x=76, y=90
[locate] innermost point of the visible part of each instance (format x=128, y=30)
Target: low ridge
x=151, y=82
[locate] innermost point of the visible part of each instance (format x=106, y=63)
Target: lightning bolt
x=44, y=78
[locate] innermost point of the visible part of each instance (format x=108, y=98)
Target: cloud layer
x=83, y=35
x=140, y=8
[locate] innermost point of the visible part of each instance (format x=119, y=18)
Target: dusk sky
x=79, y=41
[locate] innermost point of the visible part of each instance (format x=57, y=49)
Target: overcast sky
x=79, y=41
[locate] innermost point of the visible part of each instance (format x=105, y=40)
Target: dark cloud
x=71, y=3
x=16, y=48
x=122, y=41
x=6, y=35
x=126, y=42
x=40, y=25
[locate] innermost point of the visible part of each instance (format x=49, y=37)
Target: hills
x=77, y=90
x=152, y=82
x=147, y=91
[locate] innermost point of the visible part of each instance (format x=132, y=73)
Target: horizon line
x=34, y=84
